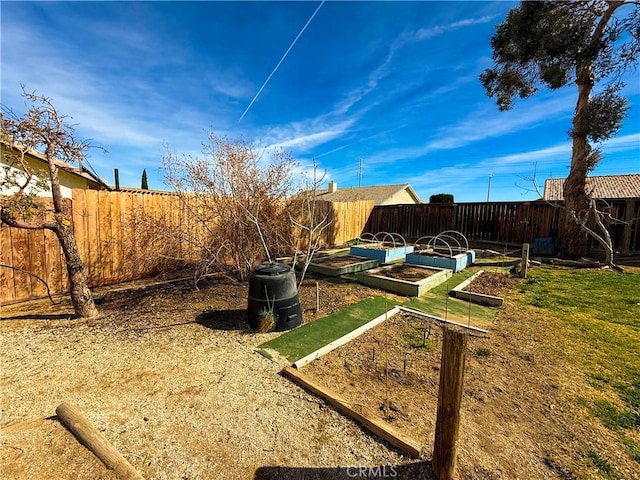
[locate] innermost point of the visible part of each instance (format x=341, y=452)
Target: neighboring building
x=381, y=195
x=606, y=187
x=70, y=177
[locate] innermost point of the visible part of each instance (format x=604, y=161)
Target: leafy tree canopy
x=556, y=43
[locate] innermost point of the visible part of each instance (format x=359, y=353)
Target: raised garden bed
x=432, y=258
x=336, y=265
x=382, y=252
x=483, y=288
x=410, y=280
x=385, y=375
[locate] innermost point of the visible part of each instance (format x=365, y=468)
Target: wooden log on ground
x=371, y=423
x=449, y=400
x=583, y=263
x=87, y=434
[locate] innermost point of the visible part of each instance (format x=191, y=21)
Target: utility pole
x=489, y=188
x=360, y=173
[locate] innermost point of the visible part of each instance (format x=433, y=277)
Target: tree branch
x=33, y=275
x=14, y=222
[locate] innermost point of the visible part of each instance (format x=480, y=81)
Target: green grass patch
x=601, y=463
x=614, y=418
x=634, y=448
x=441, y=306
x=596, y=316
x=415, y=339
x=306, y=339
x=607, y=296
x=599, y=312
x=483, y=352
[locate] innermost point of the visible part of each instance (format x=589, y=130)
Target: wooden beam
x=449, y=400
x=368, y=420
x=442, y=320
x=87, y=434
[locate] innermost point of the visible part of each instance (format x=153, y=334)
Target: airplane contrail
x=281, y=60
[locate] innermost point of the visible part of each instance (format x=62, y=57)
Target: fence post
x=449, y=399
x=525, y=260
x=626, y=231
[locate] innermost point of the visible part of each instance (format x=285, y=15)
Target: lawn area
x=595, y=316
x=559, y=369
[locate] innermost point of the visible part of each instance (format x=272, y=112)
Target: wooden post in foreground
x=94, y=441
x=525, y=260
x=449, y=399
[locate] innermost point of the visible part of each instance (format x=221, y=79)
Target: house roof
x=602, y=186
x=379, y=194
x=84, y=173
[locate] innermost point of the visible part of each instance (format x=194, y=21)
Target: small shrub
x=441, y=198
x=483, y=352
x=417, y=339
x=266, y=320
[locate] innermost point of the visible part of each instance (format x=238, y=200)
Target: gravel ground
x=170, y=377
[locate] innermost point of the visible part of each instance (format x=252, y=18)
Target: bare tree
x=238, y=201
x=309, y=222
x=597, y=217
x=43, y=126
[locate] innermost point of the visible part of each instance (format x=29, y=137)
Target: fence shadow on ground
x=224, y=320
x=410, y=471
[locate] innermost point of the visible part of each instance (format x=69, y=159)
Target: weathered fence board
x=7, y=286
x=117, y=242
x=505, y=222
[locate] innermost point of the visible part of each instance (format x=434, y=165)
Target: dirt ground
x=339, y=261
x=169, y=376
x=491, y=283
x=409, y=273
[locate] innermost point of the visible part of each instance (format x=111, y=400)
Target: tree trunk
x=81, y=297
x=573, y=238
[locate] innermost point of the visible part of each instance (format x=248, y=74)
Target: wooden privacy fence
x=123, y=236
x=347, y=220
x=504, y=222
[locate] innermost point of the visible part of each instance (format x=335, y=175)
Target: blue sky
x=392, y=83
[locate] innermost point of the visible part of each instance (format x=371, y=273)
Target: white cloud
x=305, y=135
x=486, y=122
x=380, y=72
x=427, y=33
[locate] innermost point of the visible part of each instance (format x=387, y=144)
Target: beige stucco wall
x=68, y=181
x=401, y=197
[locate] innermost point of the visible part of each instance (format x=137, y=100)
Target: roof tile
x=602, y=186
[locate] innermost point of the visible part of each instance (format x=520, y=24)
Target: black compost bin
x=273, y=287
